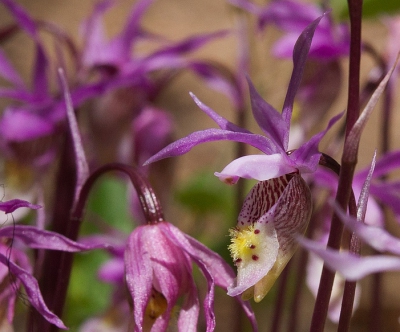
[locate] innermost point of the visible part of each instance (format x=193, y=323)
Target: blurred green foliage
x=204, y=193
x=88, y=296
x=371, y=8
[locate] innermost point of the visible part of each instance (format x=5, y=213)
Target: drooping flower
x=158, y=264
x=158, y=261
x=261, y=243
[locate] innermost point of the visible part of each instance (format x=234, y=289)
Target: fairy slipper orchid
x=263, y=241
x=279, y=205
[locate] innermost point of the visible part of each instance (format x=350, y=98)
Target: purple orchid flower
x=330, y=40
x=276, y=162
x=20, y=123
x=158, y=264
x=137, y=78
x=36, y=113
x=261, y=243
x=115, y=56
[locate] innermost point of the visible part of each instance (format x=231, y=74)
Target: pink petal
x=41, y=239
x=138, y=274
x=14, y=204
x=189, y=312
x=32, y=291
x=20, y=125
x=258, y=167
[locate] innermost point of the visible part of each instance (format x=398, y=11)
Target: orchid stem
x=53, y=263
x=349, y=287
x=347, y=166
x=353, y=101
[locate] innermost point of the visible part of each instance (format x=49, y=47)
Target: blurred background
x=194, y=199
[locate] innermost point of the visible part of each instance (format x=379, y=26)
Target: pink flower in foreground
x=158, y=264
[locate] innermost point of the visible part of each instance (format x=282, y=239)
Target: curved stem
x=150, y=204
x=58, y=281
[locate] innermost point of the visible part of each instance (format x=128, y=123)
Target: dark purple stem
x=349, y=287
x=335, y=236
x=347, y=169
x=52, y=269
x=62, y=262
x=353, y=108
x=151, y=206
